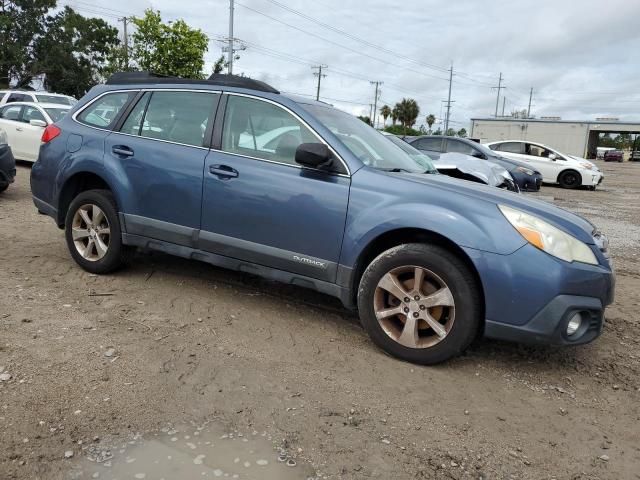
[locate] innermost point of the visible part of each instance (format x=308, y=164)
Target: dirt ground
x=168, y=341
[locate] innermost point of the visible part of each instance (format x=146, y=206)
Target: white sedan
x=555, y=167
x=24, y=123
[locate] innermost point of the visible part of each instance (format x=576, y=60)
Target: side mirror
x=313, y=155
x=37, y=123
x=479, y=155
x=553, y=157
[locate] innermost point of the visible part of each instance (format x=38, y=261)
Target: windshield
x=56, y=113
x=365, y=142
x=416, y=154
x=53, y=99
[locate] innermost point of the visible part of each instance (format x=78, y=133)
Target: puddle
x=190, y=453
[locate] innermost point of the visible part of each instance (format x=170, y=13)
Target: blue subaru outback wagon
x=231, y=172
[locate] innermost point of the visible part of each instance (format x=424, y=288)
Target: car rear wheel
x=420, y=303
x=92, y=231
x=570, y=179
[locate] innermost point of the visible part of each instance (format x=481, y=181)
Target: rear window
x=511, y=147
x=103, y=112
x=53, y=99
x=56, y=113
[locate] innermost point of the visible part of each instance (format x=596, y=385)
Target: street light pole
x=230, y=53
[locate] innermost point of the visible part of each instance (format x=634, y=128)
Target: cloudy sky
x=582, y=58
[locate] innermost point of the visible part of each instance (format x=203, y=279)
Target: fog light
x=574, y=323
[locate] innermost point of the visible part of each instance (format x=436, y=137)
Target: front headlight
x=586, y=165
x=525, y=170
x=548, y=238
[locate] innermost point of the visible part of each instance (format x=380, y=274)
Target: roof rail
x=120, y=78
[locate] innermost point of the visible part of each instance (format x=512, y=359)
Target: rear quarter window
x=103, y=112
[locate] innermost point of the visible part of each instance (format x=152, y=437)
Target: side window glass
x=430, y=144
x=134, y=121
x=459, y=147
x=537, y=151
x=260, y=129
x=103, y=112
x=11, y=113
x=179, y=117
x=31, y=113
x=511, y=147
x=17, y=97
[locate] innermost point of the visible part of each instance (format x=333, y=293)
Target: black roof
x=220, y=79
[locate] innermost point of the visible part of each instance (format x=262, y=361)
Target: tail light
x=51, y=132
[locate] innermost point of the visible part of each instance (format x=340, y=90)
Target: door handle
x=19, y=129
x=223, y=171
x=122, y=150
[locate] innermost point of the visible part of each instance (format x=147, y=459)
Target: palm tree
x=408, y=111
x=431, y=119
x=394, y=114
x=385, y=111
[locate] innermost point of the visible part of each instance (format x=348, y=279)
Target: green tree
x=220, y=65
x=438, y=131
x=21, y=21
x=450, y=132
x=171, y=48
x=431, y=119
x=408, y=111
x=365, y=119
x=72, y=52
x=385, y=111
x=462, y=133
x=394, y=114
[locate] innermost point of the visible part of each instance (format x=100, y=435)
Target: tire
x=570, y=179
x=3, y=187
x=95, y=259
x=442, y=271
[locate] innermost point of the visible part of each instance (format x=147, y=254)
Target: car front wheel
x=420, y=303
x=570, y=179
x=92, y=231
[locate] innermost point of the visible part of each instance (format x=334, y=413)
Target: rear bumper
x=7, y=166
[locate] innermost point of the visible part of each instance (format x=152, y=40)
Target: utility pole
x=504, y=100
x=126, y=42
x=529, y=108
x=230, y=53
x=375, y=103
x=499, y=87
x=320, y=75
x=446, y=125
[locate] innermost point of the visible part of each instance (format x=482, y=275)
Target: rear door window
x=11, y=112
x=103, y=112
x=511, y=147
x=32, y=113
x=18, y=97
x=179, y=117
x=429, y=144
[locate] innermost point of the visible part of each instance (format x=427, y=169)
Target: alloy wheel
x=414, y=306
x=91, y=232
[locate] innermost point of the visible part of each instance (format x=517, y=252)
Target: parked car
x=24, y=123
x=555, y=167
x=7, y=163
x=527, y=178
x=428, y=261
x=9, y=96
x=635, y=156
x=461, y=166
x=613, y=156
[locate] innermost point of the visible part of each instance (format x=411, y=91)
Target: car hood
x=489, y=173
x=504, y=161
x=583, y=160
x=571, y=223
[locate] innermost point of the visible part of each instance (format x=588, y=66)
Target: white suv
x=9, y=96
x=555, y=167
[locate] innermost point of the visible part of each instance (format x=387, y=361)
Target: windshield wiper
x=396, y=170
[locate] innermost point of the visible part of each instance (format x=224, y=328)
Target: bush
x=400, y=130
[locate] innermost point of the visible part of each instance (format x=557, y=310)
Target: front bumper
x=591, y=178
x=530, y=296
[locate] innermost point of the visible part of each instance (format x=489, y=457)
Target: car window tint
x=179, y=117
x=511, y=147
x=537, y=151
x=56, y=113
x=260, y=129
x=57, y=99
x=103, y=112
x=431, y=144
x=134, y=120
x=32, y=113
x=459, y=147
x=11, y=113
x=17, y=97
